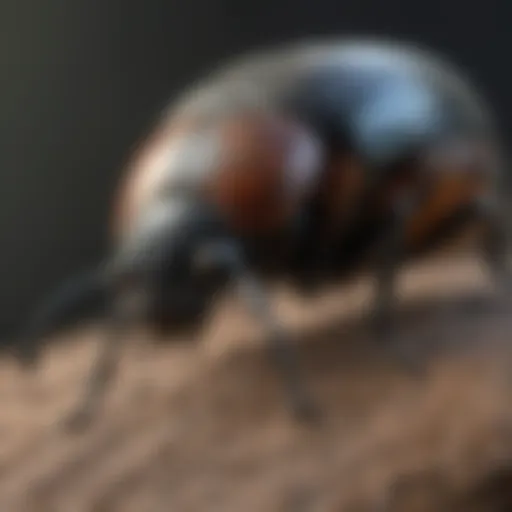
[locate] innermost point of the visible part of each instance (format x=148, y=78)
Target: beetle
x=274, y=166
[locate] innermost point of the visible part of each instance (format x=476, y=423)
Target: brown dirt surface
x=424, y=424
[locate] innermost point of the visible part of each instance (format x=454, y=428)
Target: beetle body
x=337, y=127
x=296, y=161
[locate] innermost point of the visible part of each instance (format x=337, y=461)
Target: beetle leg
x=389, y=256
x=228, y=254
x=281, y=350
x=496, y=242
x=105, y=365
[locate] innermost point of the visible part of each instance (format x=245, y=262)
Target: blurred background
x=83, y=79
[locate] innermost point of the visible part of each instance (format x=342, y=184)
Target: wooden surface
x=201, y=427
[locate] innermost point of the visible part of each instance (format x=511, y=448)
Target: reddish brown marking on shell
x=250, y=186
x=454, y=183
x=452, y=191
x=462, y=173
x=250, y=178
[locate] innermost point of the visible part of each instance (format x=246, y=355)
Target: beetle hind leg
x=496, y=243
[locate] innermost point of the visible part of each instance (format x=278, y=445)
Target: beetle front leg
x=228, y=255
x=105, y=365
x=281, y=350
x=390, y=255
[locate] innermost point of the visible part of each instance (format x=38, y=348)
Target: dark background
x=82, y=79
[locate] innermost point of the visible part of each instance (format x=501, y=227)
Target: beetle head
x=180, y=257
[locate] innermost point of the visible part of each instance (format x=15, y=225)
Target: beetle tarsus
x=302, y=405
